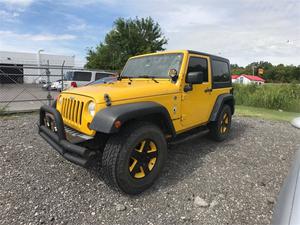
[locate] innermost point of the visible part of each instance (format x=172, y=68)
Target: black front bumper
x=51, y=128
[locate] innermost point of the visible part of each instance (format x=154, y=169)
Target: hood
x=124, y=89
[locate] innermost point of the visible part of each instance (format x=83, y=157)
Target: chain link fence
x=25, y=88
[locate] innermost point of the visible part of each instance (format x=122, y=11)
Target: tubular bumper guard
x=57, y=138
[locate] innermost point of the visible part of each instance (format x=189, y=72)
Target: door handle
x=208, y=90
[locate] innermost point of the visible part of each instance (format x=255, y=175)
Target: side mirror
x=194, y=77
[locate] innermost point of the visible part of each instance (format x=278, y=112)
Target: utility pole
x=62, y=75
x=49, y=97
x=39, y=62
x=253, y=67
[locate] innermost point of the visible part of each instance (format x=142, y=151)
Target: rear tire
x=220, y=129
x=133, y=159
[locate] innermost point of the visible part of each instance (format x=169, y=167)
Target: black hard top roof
x=211, y=56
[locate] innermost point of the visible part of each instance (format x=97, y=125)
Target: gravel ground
x=234, y=182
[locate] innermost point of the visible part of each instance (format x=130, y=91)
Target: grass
x=268, y=114
x=285, y=97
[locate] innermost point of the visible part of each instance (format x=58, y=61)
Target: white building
x=247, y=79
x=25, y=62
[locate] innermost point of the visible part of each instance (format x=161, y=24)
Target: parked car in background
x=45, y=85
x=56, y=85
x=41, y=81
x=78, y=78
x=288, y=203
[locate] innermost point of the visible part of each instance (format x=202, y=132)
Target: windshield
x=152, y=66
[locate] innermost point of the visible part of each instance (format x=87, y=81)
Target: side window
x=220, y=71
x=197, y=64
x=82, y=76
x=101, y=75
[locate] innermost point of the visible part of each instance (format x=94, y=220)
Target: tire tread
x=112, y=150
x=213, y=126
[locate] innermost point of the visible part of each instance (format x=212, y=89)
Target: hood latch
x=107, y=100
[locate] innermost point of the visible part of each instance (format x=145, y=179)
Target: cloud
x=80, y=3
x=50, y=37
x=8, y=16
x=243, y=31
x=52, y=44
x=77, y=26
x=76, y=23
x=19, y=3
x=10, y=10
x=37, y=37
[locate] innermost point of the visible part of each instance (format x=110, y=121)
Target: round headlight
x=91, y=108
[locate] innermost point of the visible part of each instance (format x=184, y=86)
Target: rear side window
x=82, y=76
x=220, y=71
x=101, y=75
x=197, y=64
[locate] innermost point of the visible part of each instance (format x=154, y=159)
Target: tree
x=278, y=74
x=129, y=37
x=236, y=69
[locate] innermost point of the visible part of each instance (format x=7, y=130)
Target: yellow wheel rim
x=143, y=159
x=224, y=123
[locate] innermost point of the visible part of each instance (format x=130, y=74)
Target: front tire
x=219, y=129
x=133, y=159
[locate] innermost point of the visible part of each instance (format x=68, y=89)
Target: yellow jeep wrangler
x=156, y=98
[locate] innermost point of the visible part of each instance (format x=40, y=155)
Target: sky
x=242, y=30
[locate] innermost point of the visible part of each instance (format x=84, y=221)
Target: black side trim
x=224, y=98
x=74, y=153
x=105, y=118
x=217, y=85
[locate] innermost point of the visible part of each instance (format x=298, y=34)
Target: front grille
x=72, y=110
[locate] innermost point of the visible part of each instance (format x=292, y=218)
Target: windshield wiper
x=130, y=78
x=147, y=76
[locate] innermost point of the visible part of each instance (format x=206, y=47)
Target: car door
x=197, y=103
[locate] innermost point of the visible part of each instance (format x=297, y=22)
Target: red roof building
x=253, y=78
x=247, y=79
x=233, y=77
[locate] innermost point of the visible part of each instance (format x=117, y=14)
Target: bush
x=271, y=96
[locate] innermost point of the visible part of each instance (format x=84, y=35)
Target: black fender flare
x=221, y=100
x=104, y=119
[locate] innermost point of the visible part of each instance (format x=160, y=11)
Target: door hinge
x=208, y=90
x=183, y=96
